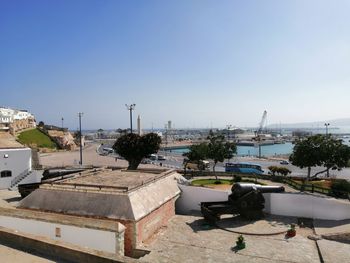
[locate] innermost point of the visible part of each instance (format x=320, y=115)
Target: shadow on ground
x=266, y=226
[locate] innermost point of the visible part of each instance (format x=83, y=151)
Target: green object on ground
x=36, y=137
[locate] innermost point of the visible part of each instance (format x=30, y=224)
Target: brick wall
x=148, y=225
x=136, y=232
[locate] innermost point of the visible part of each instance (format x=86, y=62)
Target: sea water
x=266, y=150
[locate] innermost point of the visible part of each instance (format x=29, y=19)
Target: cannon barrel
x=242, y=188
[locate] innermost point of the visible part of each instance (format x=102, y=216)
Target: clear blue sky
x=197, y=63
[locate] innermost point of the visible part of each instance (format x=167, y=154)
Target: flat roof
x=7, y=141
x=106, y=193
x=112, y=180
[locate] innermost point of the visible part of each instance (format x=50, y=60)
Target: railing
x=19, y=178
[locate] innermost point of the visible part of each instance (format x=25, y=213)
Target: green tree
x=134, y=147
x=320, y=150
x=196, y=154
x=335, y=155
x=219, y=150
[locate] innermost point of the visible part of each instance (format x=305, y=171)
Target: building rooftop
x=102, y=179
x=106, y=193
x=7, y=141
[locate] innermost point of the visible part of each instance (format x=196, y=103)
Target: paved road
x=175, y=160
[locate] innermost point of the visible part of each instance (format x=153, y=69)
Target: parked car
x=161, y=158
x=152, y=157
x=284, y=162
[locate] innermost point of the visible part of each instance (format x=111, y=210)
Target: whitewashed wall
x=307, y=205
x=287, y=204
x=18, y=161
x=84, y=237
x=192, y=196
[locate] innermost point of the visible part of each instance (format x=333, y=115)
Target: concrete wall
x=192, y=196
x=18, y=161
x=307, y=205
x=57, y=250
x=84, y=237
x=286, y=204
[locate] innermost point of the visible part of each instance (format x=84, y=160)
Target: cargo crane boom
x=262, y=123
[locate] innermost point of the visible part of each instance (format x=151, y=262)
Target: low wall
x=55, y=250
x=285, y=204
x=192, y=196
x=83, y=232
x=85, y=237
x=307, y=205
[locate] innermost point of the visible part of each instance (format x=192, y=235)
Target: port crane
x=262, y=124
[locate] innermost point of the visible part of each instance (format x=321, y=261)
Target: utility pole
x=62, y=119
x=130, y=108
x=80, y=114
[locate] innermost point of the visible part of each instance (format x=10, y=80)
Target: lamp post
x=130, y=108
x=80, y=114
x=326, y=124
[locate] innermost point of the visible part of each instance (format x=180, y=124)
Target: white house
x=15, y=162
x=15, y=120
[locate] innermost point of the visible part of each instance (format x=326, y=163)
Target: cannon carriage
x=246, y=200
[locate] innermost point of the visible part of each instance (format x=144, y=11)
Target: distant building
x=12, y=120
x=139, y=130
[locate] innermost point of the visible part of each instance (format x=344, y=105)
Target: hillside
x=36, y=138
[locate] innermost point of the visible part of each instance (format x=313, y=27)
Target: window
x=6, y=173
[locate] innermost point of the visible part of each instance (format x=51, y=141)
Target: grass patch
x=203, y=182
x=35, y=138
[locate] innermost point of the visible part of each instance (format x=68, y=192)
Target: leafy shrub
x=237, y=179
x=340, y=188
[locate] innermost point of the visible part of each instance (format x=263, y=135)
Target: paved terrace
x=117, y=180
x=190, y=239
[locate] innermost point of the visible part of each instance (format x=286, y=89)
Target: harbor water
x=266, y=150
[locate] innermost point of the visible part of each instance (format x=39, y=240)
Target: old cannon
x=245, y=199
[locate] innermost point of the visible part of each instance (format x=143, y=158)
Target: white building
x=12, y=120
x=15, y=163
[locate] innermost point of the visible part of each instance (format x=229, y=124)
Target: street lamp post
x=80, y=114
x=326, y=124
x=130, y=108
